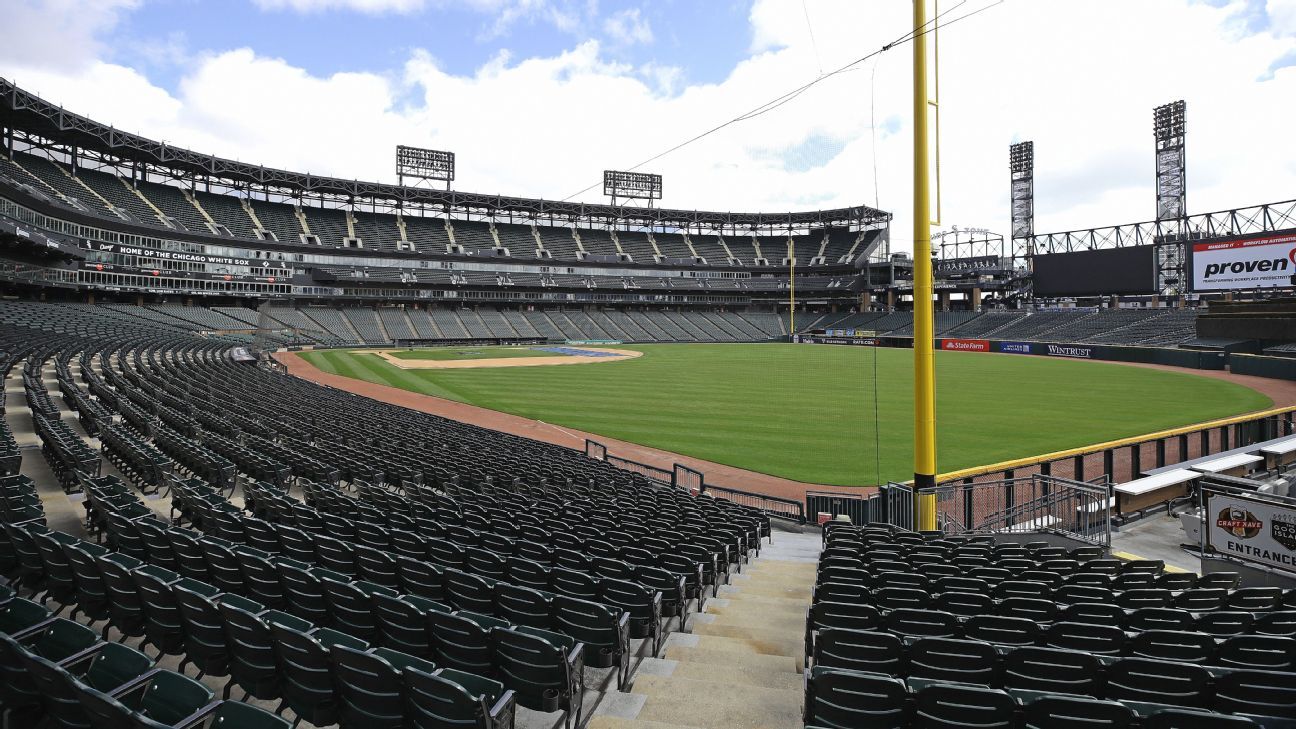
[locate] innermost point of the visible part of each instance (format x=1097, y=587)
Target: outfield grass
x=808, y=412
x=457, y=353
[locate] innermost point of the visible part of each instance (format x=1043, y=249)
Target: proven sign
x=1252, y=263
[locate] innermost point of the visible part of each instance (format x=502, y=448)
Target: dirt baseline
x=606, y=355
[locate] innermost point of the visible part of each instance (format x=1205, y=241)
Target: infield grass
x=808, y=412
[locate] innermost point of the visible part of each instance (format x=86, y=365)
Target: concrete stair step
x=783, y=622
x=782, y=645
x=749, y=606
x=616, y=722
x=763, y=589
x=712, y=657
x=737, y=673
x=767, y=642
x=790, y=565
x=718, y=704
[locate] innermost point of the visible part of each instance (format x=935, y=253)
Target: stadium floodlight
x=424, y=164
x=1021, y=168
x=638, y=185
x=1169, y=127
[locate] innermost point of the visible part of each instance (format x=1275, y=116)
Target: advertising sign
x=1058, y=350
x=1252, y=530
x=1251, y=263
x=979, y=264
x=857, y=341
x=965, y=345
x=1014, y=347
x=125, y=250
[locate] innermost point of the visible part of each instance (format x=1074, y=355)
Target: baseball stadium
x=285, y=449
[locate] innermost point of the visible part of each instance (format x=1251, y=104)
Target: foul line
x=565, y=432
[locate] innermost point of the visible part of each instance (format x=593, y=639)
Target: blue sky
x=704, y=39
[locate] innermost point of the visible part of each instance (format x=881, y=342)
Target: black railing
x=694, y=481
x=653, y=472
x=891, y=503
x=773, y=506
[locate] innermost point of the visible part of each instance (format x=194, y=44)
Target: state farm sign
x=965, y=345
x=1252, y=263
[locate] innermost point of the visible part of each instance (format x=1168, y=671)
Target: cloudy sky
x=537, y=97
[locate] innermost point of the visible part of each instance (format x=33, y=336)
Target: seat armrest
x=574, y=655
x=81, y=655
x=501, y=714
x=135, y=684
x=26, y=633
x=199, y=717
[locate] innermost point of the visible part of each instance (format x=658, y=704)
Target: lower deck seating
x=434, y=575
x=925, y=630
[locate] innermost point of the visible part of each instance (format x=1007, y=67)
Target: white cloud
x=1282, y=16
x=547, y=127
x=58, y=34
x=628, y=27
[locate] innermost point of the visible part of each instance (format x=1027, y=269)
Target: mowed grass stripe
x=807, y=412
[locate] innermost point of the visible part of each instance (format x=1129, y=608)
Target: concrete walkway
x=740, y=667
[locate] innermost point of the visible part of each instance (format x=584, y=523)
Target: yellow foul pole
x=924, y=375
x=791, y=249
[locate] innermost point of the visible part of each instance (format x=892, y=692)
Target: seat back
x=420, y=577
x=860, y=650
x=468, y=591
x=252, y=651
x=956, y=707
x=1059, y=712
x=1144, y=679
x=1259, y=652
x=1051, y=670
x=841, y=698
x=401, y=625
x=432, y=702
x=1265, y=693
x=535, y=668
x=370, y=688
x=57, y=694
x=522, y=605
x=203, y=634
x=460, y=643
x=308, y=685
x=961, y=661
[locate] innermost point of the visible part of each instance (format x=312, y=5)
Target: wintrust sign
x=1055, y=350
x=1252, y=263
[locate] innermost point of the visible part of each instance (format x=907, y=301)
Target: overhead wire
x=779, y=101
x=813, y=43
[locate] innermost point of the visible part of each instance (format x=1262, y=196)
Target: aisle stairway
x=740, y=667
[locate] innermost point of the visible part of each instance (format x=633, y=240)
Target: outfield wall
x=1282, y=368
x=1174, y=357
